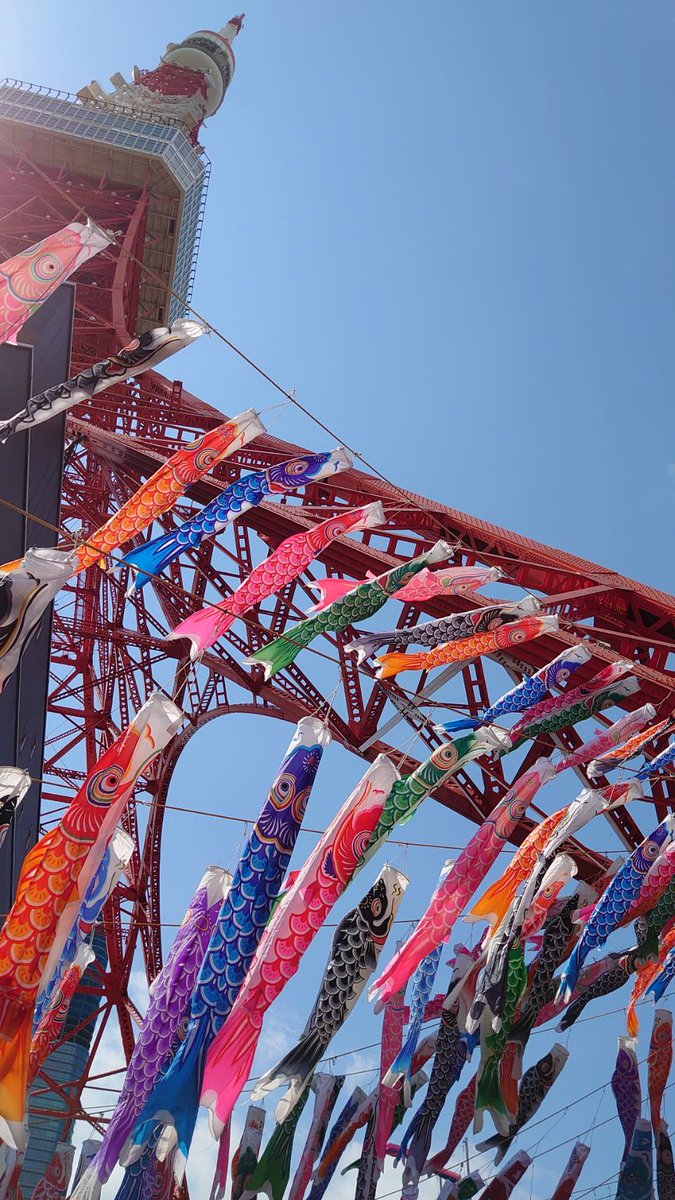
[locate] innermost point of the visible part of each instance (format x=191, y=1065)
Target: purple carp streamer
x=169, y=1003
x=144, y=353
x=626, y=1089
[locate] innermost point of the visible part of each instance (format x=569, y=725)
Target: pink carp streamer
x=32, y=276
x=616, y=758
x=294, y=924
x=286, y=563
x=458, y=887
x=449, y=581
x=604, y=739
x=660, y=1062
x=570, y=1176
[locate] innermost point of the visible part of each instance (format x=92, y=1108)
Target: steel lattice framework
x=109, y=652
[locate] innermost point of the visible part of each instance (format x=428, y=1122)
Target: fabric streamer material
x=49, y=1030
x=142, y=354
x=54, y=1184
x=637, y=1173
x=49, y=877
x=341, y=1129
x=245, y=1159
x=365, y=601
x=535, y=1086
x=161, y=1028
x=153, y=557
x=286, y=563
x=239, y=928
x=503, y=1184
x=160, y=492
x=14, y=783
x=449, y=581
x=471, y=867
x=27, y=588
x=31, y=277
x=660, y=1062
x=293, y=927
x=326, y=1091
x=446, y=629
x=570, y=1176
x=505, y=638
x=271, y=1174
x=626, y=1089
x=357, y=944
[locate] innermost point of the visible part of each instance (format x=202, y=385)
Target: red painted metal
x=109, y=652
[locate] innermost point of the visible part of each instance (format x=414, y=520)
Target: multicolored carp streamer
x=617, y=733
x=48, y=879
x=570, y=1176
x=285, y=564
x=657, y=879
x=616, y=758
x=32, y=276
x=151, y=558
x=489, y=1096
x=503, y=1184
x=27, y=588
x=90, y=1148
x=357, y=944
x=326, y=1089
x=363, y=602
x=636, y=1177
x=162, y=1025
x=600, y=978
x=665, y=759
x=504, y=638
x=239, y=928
x=159, y=493
x=446, y=629
x=142, y=354
x=665, y=1171
x=54, y=1184
x=615, y=902
x=383, y=1112
x=461, y=1189
x=449, y=581
x=470, y=869
x=410, y=790
x=14, y=783
x=530, y=690
x=553, y=705
x=115, y=859
x=660, y=1062
x=245, y=1158
x=342, y=1129
x=461, y=1119
x=294, y=924
x=271, y=1174
x=535, y=1086
x=626, y=1089
x=49, y=1030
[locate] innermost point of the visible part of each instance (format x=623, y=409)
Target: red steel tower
x=131, y=160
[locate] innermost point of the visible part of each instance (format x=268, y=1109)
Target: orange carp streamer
x=48, y=883
x=503, y=638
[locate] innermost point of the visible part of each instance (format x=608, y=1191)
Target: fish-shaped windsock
x=161, y=491
x=296, y=921
x=460, y=1189
x=381, y=1118
x=161, y=1028
x=663, y=979
x=286, y=563
x=357, y=944
x=272, y=1171
x=245, y=1158
x=663, y=760
x=612, y=759
x=448, y=581
x=489, y=1095
x=461, y=1119
x=449, y=1059
x=571, y=713
x=49, y=1030
x=626, y=1089
x=599, y=979
x=636, y=1175
x=49, y=877
x=54, y=1182
x=356, y=606
x=33, y=275
x=505, y=638
x=502, y=1185
x=144, y=353
x=570, y=1176
x=410, y=790
x=14, y=783
x=153, y=557
x=657, y=880
x=650, y=971
x=458, y=887
x=341, y=1128
x=326, y=1090
x=241, y=923
x=660, y=1062
x=665, y=1171
x=535, y=1086
x=530, y=690
x=552, y=705
x=603, y=739
x=27, y=588
x=656, y=920
x=446, y=629
x=615, y=901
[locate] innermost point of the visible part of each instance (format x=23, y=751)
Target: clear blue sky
x=449, y=226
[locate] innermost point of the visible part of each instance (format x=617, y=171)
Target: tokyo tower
x=130, y=158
